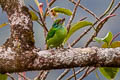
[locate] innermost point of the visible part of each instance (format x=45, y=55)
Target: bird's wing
x=51, y=33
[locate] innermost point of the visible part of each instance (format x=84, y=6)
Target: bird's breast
x=62, y=32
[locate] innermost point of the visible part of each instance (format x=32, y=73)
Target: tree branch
x=73, y=15
x=59, y=59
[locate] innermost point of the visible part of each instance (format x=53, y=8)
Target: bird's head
x=58, y=22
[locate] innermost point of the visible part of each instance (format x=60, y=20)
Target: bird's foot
x=69, y=46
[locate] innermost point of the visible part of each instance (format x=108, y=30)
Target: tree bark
x=21, y=40
x=19, y=54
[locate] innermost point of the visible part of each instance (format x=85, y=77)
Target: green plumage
x=56, y=34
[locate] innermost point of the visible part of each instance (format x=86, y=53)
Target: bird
x=56, y=34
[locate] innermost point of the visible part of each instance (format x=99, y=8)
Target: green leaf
x=97, y=39
x=113, y=45
x=4, y=24
x=3, y=77
x=75, y=27
x=107, y=39
x=62, y=10
x=109, y=73
x=105, y=45
x=33, y=15
x=37, y=3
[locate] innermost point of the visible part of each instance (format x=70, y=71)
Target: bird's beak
x=62, y=21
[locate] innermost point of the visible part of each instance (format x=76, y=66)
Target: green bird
x=56, y=34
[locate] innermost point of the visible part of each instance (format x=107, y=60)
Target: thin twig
x=108, y=9
x=25, y=78
x=85, y=73
x=50, y=11
x=78, y=39
x=86, y=9
x=42, y=21
x=50, y=4
x=83, y=18
x=39, y=22
x=114, y=37
x=82, y=69
x=105, y=12
x=73, y=15
x=33, y=9
x=12, y=78
x=115, y=8
x=37, y=13
x=42, y=75
x=106, y=18
x=44, y=25
x=63, y=74
x=75, y=78
x=39, y=75
x=45, y=74
x=88, y=71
